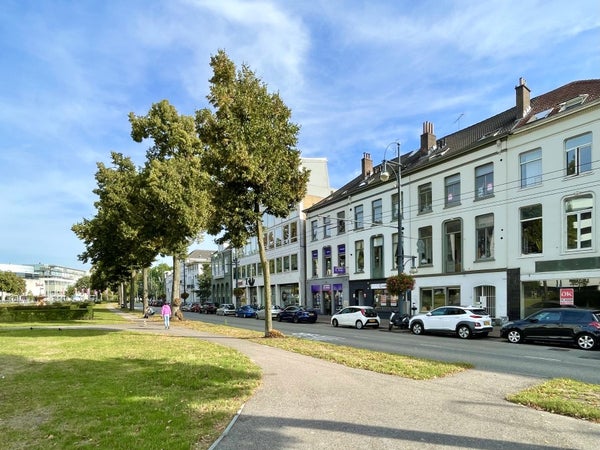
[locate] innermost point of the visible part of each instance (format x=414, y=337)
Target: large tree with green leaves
x=174, y=190
x=114, y=238
x=11, y=283
x=251, y=156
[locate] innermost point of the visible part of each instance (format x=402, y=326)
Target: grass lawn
x=117, y=390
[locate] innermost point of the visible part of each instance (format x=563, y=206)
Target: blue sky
x=357, y=75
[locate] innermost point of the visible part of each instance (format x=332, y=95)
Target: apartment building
x=500, y=214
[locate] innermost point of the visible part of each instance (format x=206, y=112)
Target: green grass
x=117, y=390
x=563, y=396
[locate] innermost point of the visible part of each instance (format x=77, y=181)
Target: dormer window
x=573, y=102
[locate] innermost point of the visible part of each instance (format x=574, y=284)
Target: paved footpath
x=308, y=403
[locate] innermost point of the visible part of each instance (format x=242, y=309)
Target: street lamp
x=396, y=168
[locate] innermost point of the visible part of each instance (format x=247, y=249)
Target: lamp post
x=385, y=176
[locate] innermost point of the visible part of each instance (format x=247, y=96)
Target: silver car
x=261, y=312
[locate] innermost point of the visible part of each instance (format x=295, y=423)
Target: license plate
x=487, y=323
x=311, y=314
x=371, y=321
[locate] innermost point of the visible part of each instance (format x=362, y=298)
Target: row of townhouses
x=502, y=214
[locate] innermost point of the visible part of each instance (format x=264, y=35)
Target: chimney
x=427, y=138
x=523, y=97
x=367, y=165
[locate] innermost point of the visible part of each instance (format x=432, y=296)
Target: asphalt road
x=486, y=354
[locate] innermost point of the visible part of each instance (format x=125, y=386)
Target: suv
x=209, y=308
x=464, y=321
x=568, y=325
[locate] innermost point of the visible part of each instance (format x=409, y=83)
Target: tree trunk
x=267, y=277
x=145, y=289
x=176, y=300
x=132, y=290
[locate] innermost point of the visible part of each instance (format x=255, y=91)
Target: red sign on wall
x=567, y=297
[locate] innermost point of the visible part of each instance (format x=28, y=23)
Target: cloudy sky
x=357, y=76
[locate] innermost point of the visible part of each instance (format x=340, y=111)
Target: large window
x=424, y=246
x=294, y=231
x=484, y=227
x=314, y=230
x=425, y=198
x=484, y=180
x=531, y=229
x=341, y=222
x=326, y=226
x=531, y=167
x=396, y=206
x=579, y=154
x=377, y=211
x=453, y=246
x=452, y=190
x=327, y=270
x=315, y=263
x=578, y=212
x=358, y=217
x=377, y=257
x=359, y=255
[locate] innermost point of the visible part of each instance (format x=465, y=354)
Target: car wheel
x=390, y=326
x=586, y=341
x=514, y=336
x=463, y=332
x=358, y=325
x=417, y=328
x=295, y=319
x=334, y=322
x=279, y=318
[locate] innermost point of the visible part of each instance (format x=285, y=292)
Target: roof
x=574, y=95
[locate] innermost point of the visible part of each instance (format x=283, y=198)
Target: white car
x=226, y=309
x=356, y=316
x=261, y=312
x=464, y=321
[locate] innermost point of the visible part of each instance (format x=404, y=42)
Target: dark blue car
x=297, y=314
x=245, y=311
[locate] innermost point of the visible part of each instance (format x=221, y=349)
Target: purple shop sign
x=339, y=269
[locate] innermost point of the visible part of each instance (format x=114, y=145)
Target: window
x=424, y=246
x=341, y=258
x=484, y=226
x=396, y=206
x=294, y=231
x=327, y=272
x=271, y=239
x=286, y=263
x=531, y=168
x=486, y=296
x=531, y=229
x=359, y=254
x=314, y=229
x=377, y=211
x=579, y=154
x=425, y=198
x=579, y=222
x=484, y=181
x=341, y=222
x=286, y=234
x=279, y=264
x=278, y=237
x=326, y=226
x=453, y=246
x=358, y=217
x=377, y=256
x=452, y=190
x=315, y=263
x=294, y=261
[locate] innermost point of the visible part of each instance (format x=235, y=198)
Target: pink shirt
x=166, y=310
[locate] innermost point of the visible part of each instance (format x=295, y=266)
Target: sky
x=357, y=75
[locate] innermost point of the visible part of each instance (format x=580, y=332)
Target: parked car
x=464, y=321
x=195, y=307
x=398, y=319
x=261, y=312
x=356, y=316
x=245, y=311
x=558, y=325
x=209, y=308
x=297, y=314
x=226, y=309
x=185, y=307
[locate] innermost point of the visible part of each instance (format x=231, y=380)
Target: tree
x=11, y=283
x=174, y=191
x=251, y=156
x=204, y=281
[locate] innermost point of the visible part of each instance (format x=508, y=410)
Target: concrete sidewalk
x=307, y=403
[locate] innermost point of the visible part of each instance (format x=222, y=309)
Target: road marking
x=539, y=357
x=316, y=337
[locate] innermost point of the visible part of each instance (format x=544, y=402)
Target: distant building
x=45, y=280
x=190, y=269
